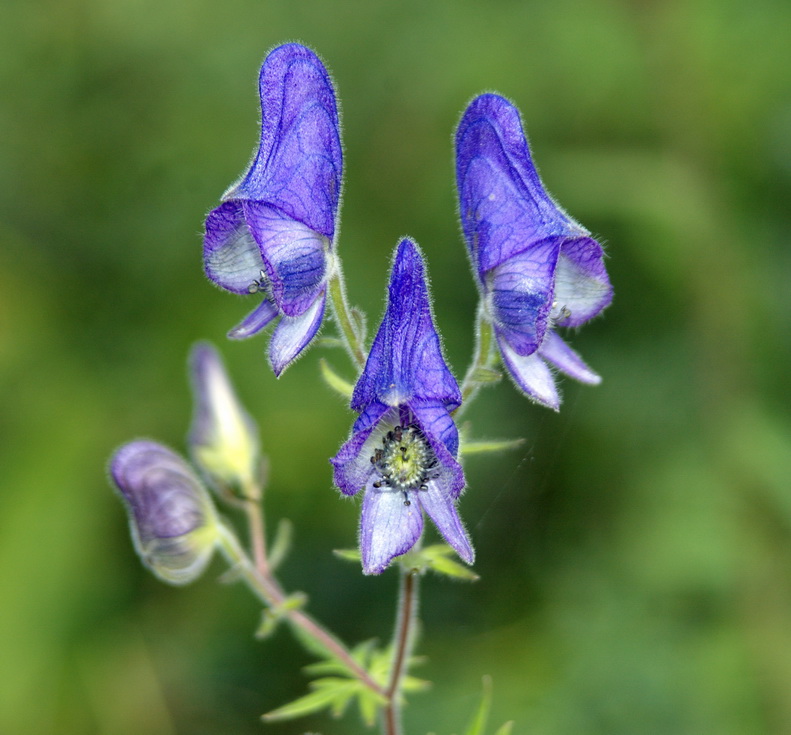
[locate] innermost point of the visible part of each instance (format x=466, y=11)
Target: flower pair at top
x=536, y=268
x=273, y=235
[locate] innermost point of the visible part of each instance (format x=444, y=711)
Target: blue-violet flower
x=403, y=446
x=273, y=234
x=536, y=268
x=172, y=519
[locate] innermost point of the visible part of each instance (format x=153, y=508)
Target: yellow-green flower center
x=405, y=460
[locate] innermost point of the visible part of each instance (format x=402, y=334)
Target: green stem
x=402, y=645
x=344, y=319
x=270, y=594
x=484, y=340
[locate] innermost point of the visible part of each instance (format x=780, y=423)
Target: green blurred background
x=635, y=553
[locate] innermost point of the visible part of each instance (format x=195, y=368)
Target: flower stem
x=484, y=335
x=402, y=645
x=344, y=319
x=269, y=592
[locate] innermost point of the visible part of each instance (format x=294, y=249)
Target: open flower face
x=536, y=268
x=272, y=237
x=173, y=522
x=403, y=447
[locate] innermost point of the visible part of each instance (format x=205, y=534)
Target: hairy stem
x=268, y=590
x=484, y=339
x=402, y=645
x=344, y=319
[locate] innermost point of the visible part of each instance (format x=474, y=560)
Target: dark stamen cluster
x=405, y=461
x=259, y=285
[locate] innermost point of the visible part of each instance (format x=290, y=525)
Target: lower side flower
x=172, y=519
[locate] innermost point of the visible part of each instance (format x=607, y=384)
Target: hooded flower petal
x=299, y=163
x=274, y=231
x=171, y=516
x=223, y=438
x=405, y=362
x=537, y=268
x=402, y=451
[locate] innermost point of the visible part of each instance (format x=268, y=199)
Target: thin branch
x=402, y=645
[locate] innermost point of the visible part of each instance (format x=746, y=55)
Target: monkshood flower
x=223, y=438
x=273, y=234
x=171, y=516
x=403, y=447
x=536, y=268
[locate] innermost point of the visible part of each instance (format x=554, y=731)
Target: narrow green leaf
x=335, y=381
x=348, y=554
x=369, y=704
x=450, y=568
x=413, y=684
x=478, y=723
x=281, y=544
x=326, y=694
x=326, y=668
x=506, y=728
x=486, y=375
x=484, y=446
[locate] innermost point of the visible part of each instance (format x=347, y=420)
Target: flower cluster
x=273, y=235
x=536, y=268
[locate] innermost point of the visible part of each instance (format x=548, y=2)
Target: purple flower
x=273, y=234
x=403, y=446
x=536, y=268
x=173, y=522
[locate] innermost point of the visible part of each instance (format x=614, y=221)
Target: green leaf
x=348, y=554
x=369, y=704
x=486, y=375
x=335, y=381
x=478, y=722
x=506, y=728
x=437, y=557
x=484, y=446
x=281, y=544
x=330, y=692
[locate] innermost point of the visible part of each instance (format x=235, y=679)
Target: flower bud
x=223, y=439
x=171, y=516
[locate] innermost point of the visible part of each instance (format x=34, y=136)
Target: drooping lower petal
x=389, y=527
x=582, y=287
x=441, y=508
x=292, y=335
x=531, y=375
x=255, y=321
x=556, y=351
x=231, y=257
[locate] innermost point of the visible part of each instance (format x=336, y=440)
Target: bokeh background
x=635, y=552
